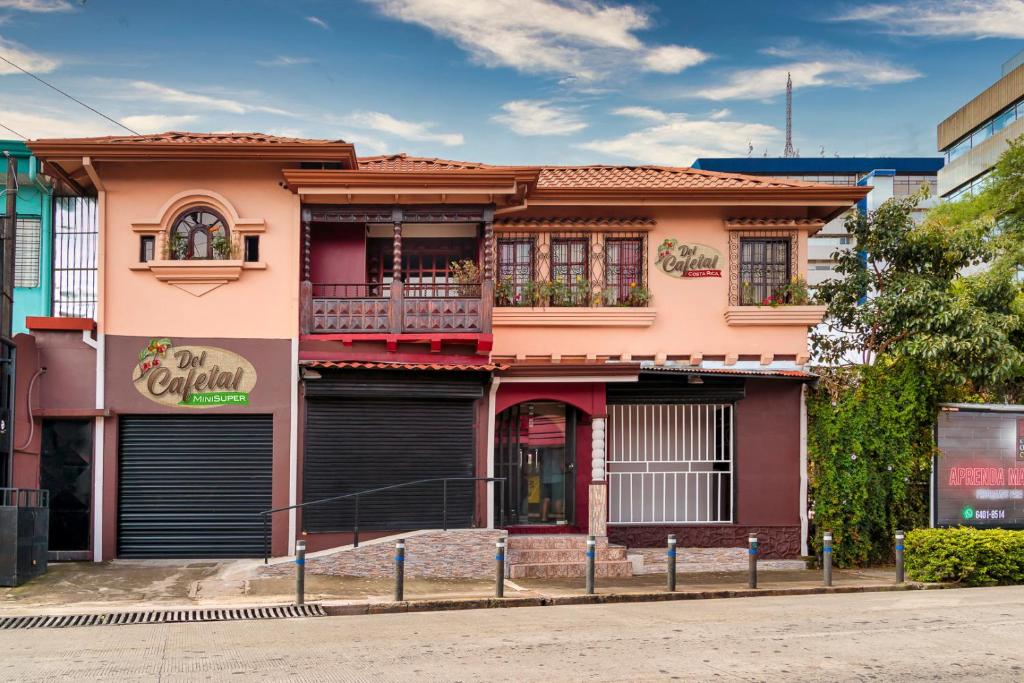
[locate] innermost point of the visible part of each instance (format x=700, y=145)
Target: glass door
x=535, y=448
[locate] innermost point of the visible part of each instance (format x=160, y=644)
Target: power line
x=13, y=131
x=48, y=85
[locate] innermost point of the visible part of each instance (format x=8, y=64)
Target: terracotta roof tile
x=654, y=178
x=382, y=365
x=774, y=222
x=402, y=163
x=575, y=223
x=185, y=138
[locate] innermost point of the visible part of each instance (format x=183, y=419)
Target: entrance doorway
x=535, y=451
x=66, y=472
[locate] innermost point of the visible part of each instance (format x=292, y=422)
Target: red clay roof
x=186, y=138
x=382, y=365
x=403, y=163
x=575, y=223
x=654, y=178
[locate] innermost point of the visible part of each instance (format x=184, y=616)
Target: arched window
x=199, y=234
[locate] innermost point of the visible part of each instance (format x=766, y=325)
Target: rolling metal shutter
x=652, y=389
x=357, y=444
x=193, y=486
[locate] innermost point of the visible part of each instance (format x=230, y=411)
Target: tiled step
x=555, y=570
x=551, y=541
x=548, y=555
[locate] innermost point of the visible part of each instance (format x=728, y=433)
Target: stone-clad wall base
x=453, y=554
x=775, y=542
x=692, y=560
x=550, y=556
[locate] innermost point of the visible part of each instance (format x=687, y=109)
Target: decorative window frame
x=734, y=256
x=198, y=277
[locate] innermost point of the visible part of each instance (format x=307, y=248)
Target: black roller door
x=395, y=431
x=193, y=485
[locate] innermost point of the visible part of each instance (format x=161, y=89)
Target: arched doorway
x=535, y=452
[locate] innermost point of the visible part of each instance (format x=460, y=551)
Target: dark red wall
x=338, y=254
x=768, y=454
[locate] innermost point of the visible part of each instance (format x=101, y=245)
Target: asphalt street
x=966, y=634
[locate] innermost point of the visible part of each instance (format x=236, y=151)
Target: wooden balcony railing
x=396, y=308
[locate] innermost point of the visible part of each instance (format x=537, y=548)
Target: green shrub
x=974, y=557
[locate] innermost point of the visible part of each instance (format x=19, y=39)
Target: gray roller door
x=193, y=485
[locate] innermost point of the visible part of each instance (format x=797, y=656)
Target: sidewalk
x=80, y=588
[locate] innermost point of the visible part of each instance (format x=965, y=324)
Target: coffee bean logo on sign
x=688, y=260
x=193, y=376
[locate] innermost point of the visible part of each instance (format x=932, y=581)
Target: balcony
x=396, y=308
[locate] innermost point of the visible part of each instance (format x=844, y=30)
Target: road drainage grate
x=161, y=617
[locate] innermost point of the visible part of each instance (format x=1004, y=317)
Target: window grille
x=670, y=464
x=75, y=241
x=516, y=268
x=764, y=268
x=623, y=270
x=26, y=251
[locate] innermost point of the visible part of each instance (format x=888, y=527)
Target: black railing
x=359, y=494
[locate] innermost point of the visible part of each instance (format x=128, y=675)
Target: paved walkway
x=74, y=588
x=965, y=634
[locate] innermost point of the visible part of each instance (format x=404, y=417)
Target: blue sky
x=512, y=81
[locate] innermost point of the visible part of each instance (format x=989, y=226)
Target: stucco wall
x=260, y=304
x=690, y=312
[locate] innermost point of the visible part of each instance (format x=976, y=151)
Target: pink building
x=617, y=351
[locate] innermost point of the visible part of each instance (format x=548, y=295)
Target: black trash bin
x=24, y=534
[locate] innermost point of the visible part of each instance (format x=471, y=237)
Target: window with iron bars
x=26, y=251
x=75, y=241
x=571, y=269
x=765, y=264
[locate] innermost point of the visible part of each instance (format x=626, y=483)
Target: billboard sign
x=979, y=472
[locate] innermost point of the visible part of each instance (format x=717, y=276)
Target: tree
x=904, y=294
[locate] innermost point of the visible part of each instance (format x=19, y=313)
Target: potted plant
x=466, y=275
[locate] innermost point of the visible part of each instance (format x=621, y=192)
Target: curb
x=454, y=604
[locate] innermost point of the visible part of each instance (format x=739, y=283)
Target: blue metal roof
x=792, y=166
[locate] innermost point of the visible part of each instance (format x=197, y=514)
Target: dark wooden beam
x=56, y=171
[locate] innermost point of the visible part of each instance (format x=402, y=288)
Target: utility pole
x=789, y=152
x=8, y=236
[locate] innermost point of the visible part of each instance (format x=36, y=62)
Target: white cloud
x=285, y=60
x=317, y=21
x=645, y=113
x=679, y=139
x=718, y=114
x=580, y=38
x=158, y=123
x=37, y=5
x=407, y=130
x=56, y=124
x=836, y=69
x=945, y=19
x=539, y=117
x=671, y=59
x=27, y=59
x=153, y=91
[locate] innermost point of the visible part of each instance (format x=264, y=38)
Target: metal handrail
x=358, y=494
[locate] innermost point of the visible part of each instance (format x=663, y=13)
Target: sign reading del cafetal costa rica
x=193, y=376
x=688, y=260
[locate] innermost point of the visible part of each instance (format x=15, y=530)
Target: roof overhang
x=747, y=373
x=490, y=186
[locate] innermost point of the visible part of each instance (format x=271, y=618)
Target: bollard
x=671, y=563
x=591, y=554
x=400, y=570
x=826, y=556
x=499, y=572
x=899, y=557
x=300, y=572
x=752, y=567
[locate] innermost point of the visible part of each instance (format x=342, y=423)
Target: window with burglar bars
x=623, y=268
x=515, y=269
x=570, y=266
x=75, y=240
x=670, y=464
x=765, y=264
x=26, y=251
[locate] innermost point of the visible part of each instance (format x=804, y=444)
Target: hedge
x=973, y=557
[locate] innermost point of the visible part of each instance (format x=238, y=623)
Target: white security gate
x=670, y=464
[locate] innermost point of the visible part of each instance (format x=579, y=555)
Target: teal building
x=33, y=286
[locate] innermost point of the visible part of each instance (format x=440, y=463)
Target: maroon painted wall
x=338, y=254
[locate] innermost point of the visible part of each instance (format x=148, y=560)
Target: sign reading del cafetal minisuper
x=688, y=260
x=190, y=376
